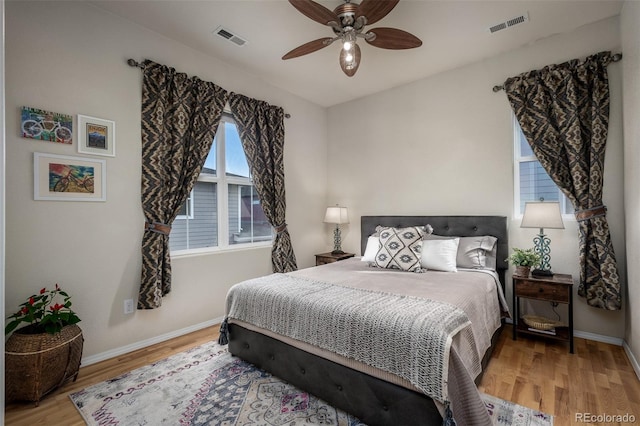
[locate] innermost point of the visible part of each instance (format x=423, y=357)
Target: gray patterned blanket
x=404, y=335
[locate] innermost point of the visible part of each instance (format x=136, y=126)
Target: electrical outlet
x=128, y=306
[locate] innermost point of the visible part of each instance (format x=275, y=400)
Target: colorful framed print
x=96, y=136
x=63, y=178
x=46, y=125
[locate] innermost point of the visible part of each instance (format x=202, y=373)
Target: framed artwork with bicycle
x=46, y=125
x=96, y=136
x=65, y=178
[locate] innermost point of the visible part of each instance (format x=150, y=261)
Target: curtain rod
x=614, y=58
x=134, y=63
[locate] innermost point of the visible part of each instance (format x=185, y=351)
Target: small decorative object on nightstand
x=324, y=258
x=557, y=288
x=523, y=260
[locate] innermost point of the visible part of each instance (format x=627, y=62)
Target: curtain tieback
x=160, y=228
x=587, y=214
x=281, y=228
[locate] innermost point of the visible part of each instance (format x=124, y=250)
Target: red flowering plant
x=48, y=311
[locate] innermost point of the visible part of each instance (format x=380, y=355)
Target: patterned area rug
x=207, y=386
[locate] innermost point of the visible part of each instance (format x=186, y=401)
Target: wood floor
x=597, y=379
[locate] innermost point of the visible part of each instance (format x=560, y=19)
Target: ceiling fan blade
x=307, y=48
x=350, y=67
x=315, y=11
x=375, y=10
x=393, y=38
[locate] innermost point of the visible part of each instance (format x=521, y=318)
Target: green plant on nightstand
x=524, y=260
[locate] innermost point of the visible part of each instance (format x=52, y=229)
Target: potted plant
x=46, y=352
x=524, y=260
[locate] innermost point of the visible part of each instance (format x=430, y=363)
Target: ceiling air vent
x=509, y=23
x=230, y=36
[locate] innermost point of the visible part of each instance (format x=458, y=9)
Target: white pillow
x=373, y=245
x=440, y=255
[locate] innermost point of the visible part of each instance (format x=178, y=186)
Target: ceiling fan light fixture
x=350, y=60
x=349, y=39
x=347, y=22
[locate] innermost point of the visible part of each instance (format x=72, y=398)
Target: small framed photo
x=63, y=178
x=96, y=136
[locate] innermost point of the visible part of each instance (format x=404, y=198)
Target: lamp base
x=541, y=273
x=337, y=252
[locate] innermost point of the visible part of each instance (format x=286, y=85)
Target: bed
x=377, y=394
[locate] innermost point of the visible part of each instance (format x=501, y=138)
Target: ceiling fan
x=347, y=22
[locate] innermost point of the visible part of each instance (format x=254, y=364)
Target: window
x=223, y=201
x=186, y=211
x=532, y=182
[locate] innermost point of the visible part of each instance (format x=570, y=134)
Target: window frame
x=223, y=182
x=517, y=159
x=190, y=205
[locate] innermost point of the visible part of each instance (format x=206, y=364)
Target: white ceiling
x=454, y=33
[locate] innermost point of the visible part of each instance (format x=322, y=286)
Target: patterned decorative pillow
x=400, y=248
x=428, y=230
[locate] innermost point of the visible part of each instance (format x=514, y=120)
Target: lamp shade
x=540, y=214
x=337, y=215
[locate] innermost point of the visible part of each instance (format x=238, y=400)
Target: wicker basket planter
x=36, y=364
x=522, y=271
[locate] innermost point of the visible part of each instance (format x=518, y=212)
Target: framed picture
x=63, y=178
x=46, y=125
x=96, y=136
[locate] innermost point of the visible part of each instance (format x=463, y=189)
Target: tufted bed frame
x=372, y=400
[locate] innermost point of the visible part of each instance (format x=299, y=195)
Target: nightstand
x=556, y=288
x=324, y=258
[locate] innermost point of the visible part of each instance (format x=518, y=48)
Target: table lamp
x=541, y=214
x=337, y=215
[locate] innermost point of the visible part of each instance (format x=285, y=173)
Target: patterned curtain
x=261, y=129
x=564, y=113
x=180, y=116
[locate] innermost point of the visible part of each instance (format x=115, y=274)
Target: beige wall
x=443, y=145
x=70, y=57
x=630, y=30
x=448, y=139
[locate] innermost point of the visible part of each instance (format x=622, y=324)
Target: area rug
x=207, y=386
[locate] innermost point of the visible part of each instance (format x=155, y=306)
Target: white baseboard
x=618, y=341
x=598, y=337
x=177, y=333
x=632, y=359
x=148, y=342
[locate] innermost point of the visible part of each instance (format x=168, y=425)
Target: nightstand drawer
x=324, y=258
x=543, y=291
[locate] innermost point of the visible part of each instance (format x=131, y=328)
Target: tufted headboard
x=459, y=226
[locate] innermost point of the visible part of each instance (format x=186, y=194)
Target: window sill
x=258, y=240
x=206, y=251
